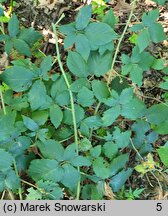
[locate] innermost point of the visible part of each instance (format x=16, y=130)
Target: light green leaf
x=134, y=109
x=95, y=151
x=93, y=122
x=29, y=35
x=56, y=115
x=136, y=74
x=40, y=116
x=79, y=83
x=158, y=64
x=12, y=181
x=17, y=78
x=46, y=65
x=163, y=154
x=85, y=144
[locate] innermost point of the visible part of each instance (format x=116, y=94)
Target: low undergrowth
x=82, y=131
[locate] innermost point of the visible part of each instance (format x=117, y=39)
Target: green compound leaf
x=56, y=115
x=83, y=17
x=67, y=115
x=109, y=18
x=99, y=64
x=30, y=124
x=51, y=149
x=100, y=33
x=13, y=26
x=22, y=47
x=17, y=78
x=118, y=163
x=110, y=149
x=100, y=90
x=38, y=97
x=110, y=115
x=101, y=168
x=80, y=161
x=45, y=169
x=71, y=177
x=83, y=46
x=119, y=180
x=85, y=97
x=156, y=32
x=143, y=40
x=6, y=160
x=29, y=35
x=77, y=65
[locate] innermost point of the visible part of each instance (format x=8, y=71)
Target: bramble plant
x=71, y=132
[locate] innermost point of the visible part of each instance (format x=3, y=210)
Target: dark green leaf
x=83, y=17
x=99, y=64
x=77, y=65
x=101, y=168
x=71, y=176
x=45, y=169
x=22, y=47
x=118, y=163
x=109, y=18
x=51, y=149
x=118, y=180
x=30, y=124
x=17, y=78
x=13, y=26
x=100, y=90
x=100, y=33
x=38, y=97
x=85, y=97
x=83, y=46
x=6, y=160
x=56, y=115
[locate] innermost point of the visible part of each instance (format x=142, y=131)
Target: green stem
x=95, y=113
x=71, y=100
x=119, y=42
x=2, y=101
x=16, y=171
